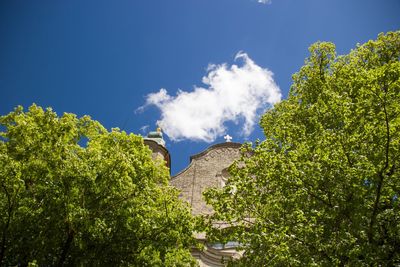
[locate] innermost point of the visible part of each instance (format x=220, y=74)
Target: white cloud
x=235, y=93
x=264, y=1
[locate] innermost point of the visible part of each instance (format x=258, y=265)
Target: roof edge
x=226, y=144
x=208, y=149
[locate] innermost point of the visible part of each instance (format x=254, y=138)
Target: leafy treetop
x=72, y=193
x=323, y=188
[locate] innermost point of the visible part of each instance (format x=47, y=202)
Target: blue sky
x=129, y=64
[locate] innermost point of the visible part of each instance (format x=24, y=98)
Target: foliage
x=72, y=193
x=323, y=188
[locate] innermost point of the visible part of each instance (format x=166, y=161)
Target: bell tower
x=156, y=143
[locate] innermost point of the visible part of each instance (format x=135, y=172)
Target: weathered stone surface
x=159, y=151
x=206, y=169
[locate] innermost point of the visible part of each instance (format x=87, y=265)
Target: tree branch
x=381, y=174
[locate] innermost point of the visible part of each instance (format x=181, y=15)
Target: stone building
x=206, y=169
x=156, y=143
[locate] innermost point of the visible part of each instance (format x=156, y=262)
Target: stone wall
x=159, y=152
x=206, y=169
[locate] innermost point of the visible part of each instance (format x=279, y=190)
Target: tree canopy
x=323, y=188
x=73, y=193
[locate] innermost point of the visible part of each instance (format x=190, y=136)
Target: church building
x=206, y=169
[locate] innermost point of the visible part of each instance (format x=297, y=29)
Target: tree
x=72, y=193
x=323, y=188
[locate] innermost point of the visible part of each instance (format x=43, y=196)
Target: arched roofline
x=226, y=144
x=219, y=145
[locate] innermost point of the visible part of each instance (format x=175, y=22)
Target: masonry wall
x=207, y=169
